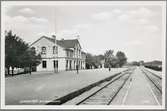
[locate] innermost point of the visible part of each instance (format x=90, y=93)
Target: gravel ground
x=159, y=73
x=40, y=88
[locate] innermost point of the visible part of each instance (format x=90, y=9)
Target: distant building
x=60, y=54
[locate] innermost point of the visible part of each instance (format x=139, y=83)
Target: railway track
x=106, y=91
x=155, y=80
x=153, y=74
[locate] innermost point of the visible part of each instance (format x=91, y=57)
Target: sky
x=134, y=29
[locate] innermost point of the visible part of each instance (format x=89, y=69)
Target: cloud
x=38, y=20
x=6, y=8
x=74, y=31
x=133, y=43
x=15, y=20
x=117, y=11
x=137, y=16
x=102, y=16
x=22, y=19
x=141, y=12
x=25, y=27
x=27, y=11
x=124, y=17
x=145, y=12
x=132, y=12
x=152, y=28
x=46, y=33
x=143, y=21
x=82, y=26
x=68, y=33
x=19, y=19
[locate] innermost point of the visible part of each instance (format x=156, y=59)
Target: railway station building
x=59, y=54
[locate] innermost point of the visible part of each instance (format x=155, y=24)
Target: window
x=71, y=54
x=67, y=53
x=66, y=64
x=78, y=53
x=55, y=63
x=74, y=64
x=43, y=50
x=43, y=64
x=55, y=49
x=70, y=64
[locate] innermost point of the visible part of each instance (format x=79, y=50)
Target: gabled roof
x=70, y=43
x=37, y=40
x=83, y=52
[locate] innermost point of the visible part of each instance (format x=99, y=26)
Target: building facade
x=59, y=54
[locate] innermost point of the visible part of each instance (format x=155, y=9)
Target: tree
x=97, y=60
x=93, y=60
x=141, y=62
x=114, y=62
x=108, y=58
x=18, y=53
x=122, y=59
x=135, y=63
x=14, y=47
x=9, y=60
x=30, y=59
x=89, y=60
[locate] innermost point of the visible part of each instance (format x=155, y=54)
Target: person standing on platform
x=109, y=68
x=77, y=69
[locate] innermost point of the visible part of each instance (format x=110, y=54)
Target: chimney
x=54, y=37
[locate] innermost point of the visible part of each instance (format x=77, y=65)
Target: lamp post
x=77, y=63
x=77, y=56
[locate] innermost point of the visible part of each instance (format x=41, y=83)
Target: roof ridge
x=66, y=43
x=58, y=39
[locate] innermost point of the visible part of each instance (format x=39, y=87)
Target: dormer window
x=43, y=50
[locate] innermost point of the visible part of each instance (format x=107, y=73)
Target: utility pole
x=55, y=50
x=55, y=42
x=77, y=63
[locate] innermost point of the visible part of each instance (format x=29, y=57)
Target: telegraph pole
x=55, y=64
x=55, y=42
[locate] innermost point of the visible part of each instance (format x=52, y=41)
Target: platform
x=42, y=88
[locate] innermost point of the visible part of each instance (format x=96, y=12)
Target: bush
x=154, y=68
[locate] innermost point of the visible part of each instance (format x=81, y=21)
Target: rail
x=156, y=82
x=105, y=86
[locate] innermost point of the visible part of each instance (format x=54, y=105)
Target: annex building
x=59, y=54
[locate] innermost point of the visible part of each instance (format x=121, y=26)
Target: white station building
x=59, y=54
